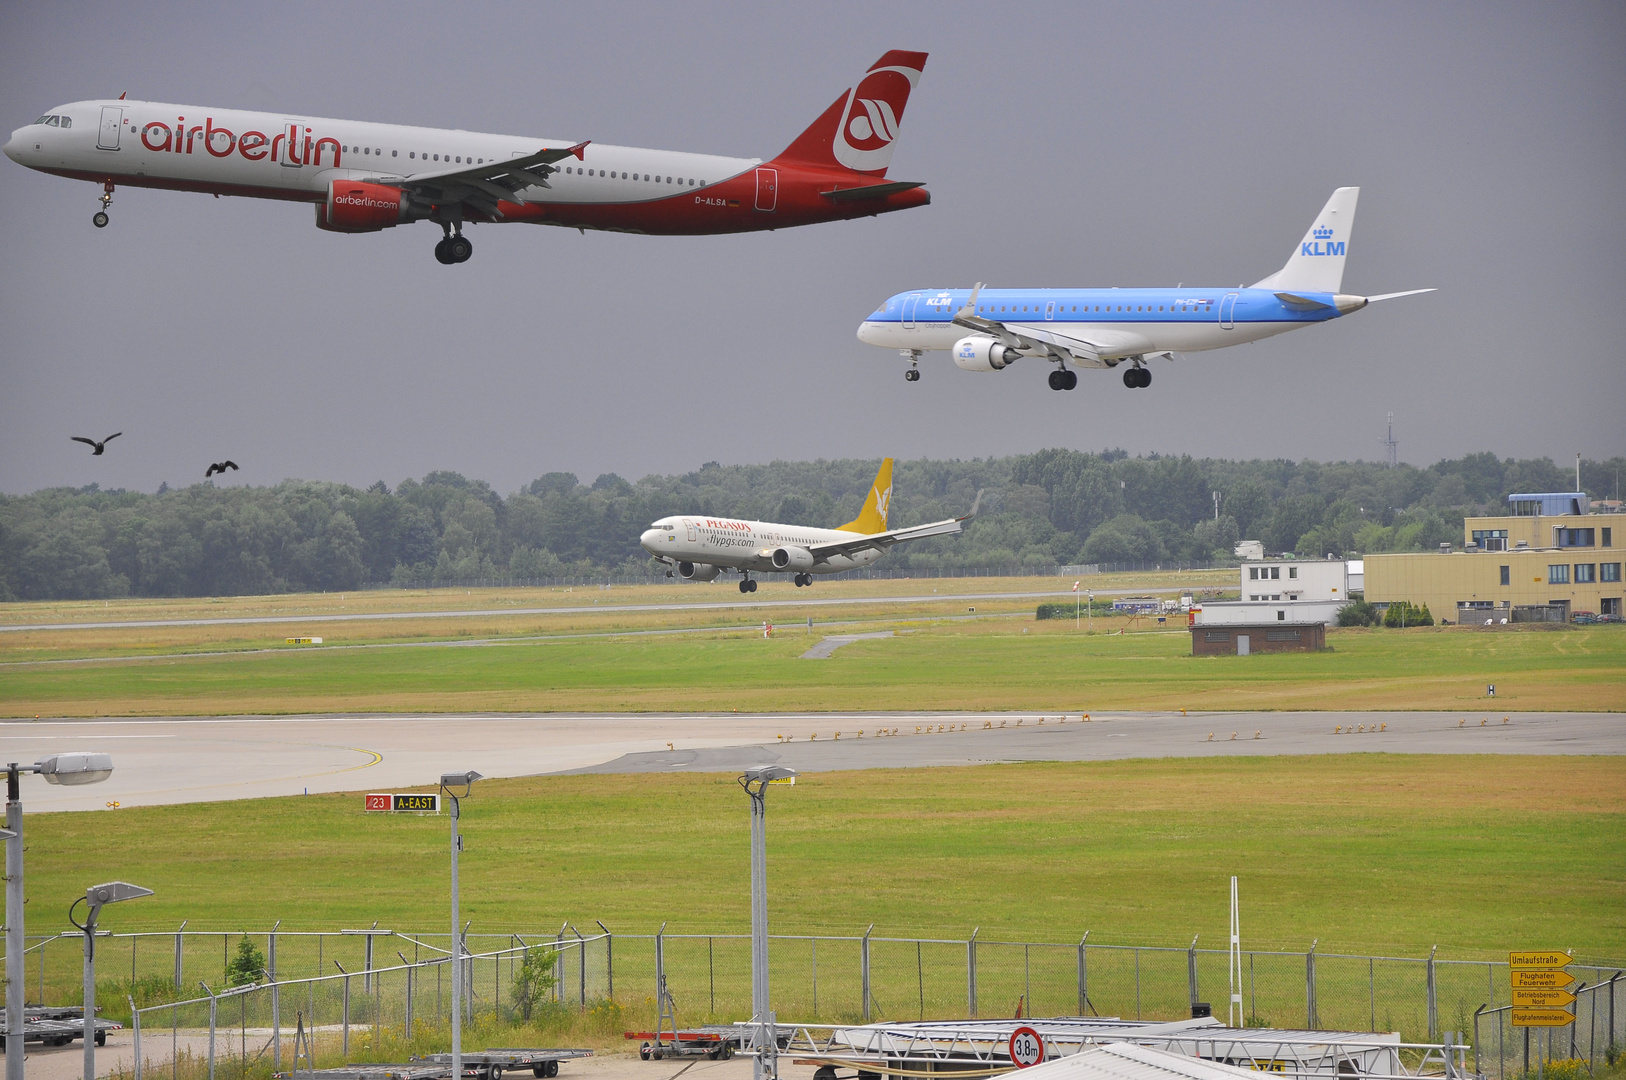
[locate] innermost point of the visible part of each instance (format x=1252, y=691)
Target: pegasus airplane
x=990, y=329
x=701, y=548
x=364, y=177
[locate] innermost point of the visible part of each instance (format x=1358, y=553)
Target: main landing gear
x=99, y=219
x=802, y=579
x=453, y=248
x=748, y=585
x=1138, y=378
x=1063, y=379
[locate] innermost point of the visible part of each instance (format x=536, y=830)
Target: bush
x=535, y=980
x=1404, y=613
x=247, y=966
x=1359, y=613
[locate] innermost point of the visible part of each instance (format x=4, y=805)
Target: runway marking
x=377, y=757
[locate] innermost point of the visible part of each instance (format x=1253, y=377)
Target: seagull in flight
x=92, y=442
x=219, y=467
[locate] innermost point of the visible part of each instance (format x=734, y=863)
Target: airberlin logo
x=366, y=201
x=1321, y=243
x=870, y=123
x=293, y=146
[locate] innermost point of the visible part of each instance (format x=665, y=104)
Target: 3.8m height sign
x=413, y=804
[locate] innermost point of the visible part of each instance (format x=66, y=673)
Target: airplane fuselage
x=746, y=545
x=1126, y=322
x=296, y=158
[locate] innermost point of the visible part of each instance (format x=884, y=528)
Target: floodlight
x=113, y=892
x=459, y=779
x=768, y=774
x=73, y=769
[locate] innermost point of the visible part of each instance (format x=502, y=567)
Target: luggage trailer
x=477, y=1065
x=972, y=1050
x=57, y=1025
x=716, y=1041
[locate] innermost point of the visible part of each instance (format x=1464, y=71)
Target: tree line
x=1052, y=507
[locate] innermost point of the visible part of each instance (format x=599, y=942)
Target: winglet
x=121, y=96
x=580, y=150
x=974, y=504
x=970, y=309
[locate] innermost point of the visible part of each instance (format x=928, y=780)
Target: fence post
x=1083, y=974
x=1309, y=987
x=213, y=1005
x=1476, y=1038
x=276, y=998
x=1191, y=969
x=1433, y=1006
x=609, y=959
x=135, y=1022
x=581, y=963
x=864, y=969
x=971, y=974
x=177, y=954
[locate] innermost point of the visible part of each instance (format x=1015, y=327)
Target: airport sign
x=1542, y=1018
x=416, y=804
x=1542, y=999
x=1027, y=1047
x=1541, y=980
x=1539, y=958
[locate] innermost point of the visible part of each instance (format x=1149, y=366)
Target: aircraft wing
x=1086, y=350
x=882, y=540
x=483, y=186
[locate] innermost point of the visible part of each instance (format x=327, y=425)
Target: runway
x=170, y=760
x=584, y=609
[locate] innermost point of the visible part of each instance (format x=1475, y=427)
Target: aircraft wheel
x=751, y=585
x=1072, y=381
x=1145, y=377
x=1058, y=379
x=442, y=253
x=99, y=219
x=459, y=248
x=912, y=375
x=1131, y=380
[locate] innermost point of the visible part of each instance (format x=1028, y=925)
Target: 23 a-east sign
x=422, y=804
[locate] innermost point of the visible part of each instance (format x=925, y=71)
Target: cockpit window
x=67, y=121
x=43, y=120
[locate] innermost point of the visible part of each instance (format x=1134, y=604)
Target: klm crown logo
x=1321, y=243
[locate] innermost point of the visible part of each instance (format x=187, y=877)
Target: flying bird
x=219, y=467
x=92, y=442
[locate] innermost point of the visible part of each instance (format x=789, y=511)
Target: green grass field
x=988, y=664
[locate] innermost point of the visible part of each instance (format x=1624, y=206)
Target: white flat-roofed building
x=1276, y=580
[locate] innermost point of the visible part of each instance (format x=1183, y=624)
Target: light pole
x=1090, y=612
x=96, y=896
x=448, y=781
x=764, y=1036
x=67, y=769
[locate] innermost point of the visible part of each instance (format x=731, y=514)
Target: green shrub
x=248, y=966
x=1358, y=613
x=535, y=980
x=1405, y=613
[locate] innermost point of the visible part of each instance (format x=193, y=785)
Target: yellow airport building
x=1546, y=561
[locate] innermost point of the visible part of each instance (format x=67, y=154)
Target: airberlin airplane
x=363, y=177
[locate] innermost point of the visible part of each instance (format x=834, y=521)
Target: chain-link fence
x=828, y=978
x=1596, y=1036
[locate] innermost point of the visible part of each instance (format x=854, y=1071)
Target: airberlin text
x=291, y=147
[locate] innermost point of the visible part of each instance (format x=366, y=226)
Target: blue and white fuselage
x=989, y=329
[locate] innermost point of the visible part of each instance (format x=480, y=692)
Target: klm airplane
x=990, y=329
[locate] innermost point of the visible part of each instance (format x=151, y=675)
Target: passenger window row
x=1121, y=307
x=613, y=175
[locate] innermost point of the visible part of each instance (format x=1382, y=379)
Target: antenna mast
x=1389, y=443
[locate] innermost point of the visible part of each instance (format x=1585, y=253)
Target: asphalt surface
x=202, y=759
x=579, y=609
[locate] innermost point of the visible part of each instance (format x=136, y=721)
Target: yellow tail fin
x=872, y=519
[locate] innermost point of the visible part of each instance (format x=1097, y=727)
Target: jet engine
x=692, y=571
x=354, y=206
x=791, y=558
x=979, y=353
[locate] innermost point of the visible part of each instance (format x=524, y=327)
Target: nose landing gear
x=99, y=219
x=913, y=356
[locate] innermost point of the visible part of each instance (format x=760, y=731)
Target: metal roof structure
x=1127, y=1061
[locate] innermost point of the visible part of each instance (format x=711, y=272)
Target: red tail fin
x=858, y=130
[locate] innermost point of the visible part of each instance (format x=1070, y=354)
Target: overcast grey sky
x=1065, y=144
